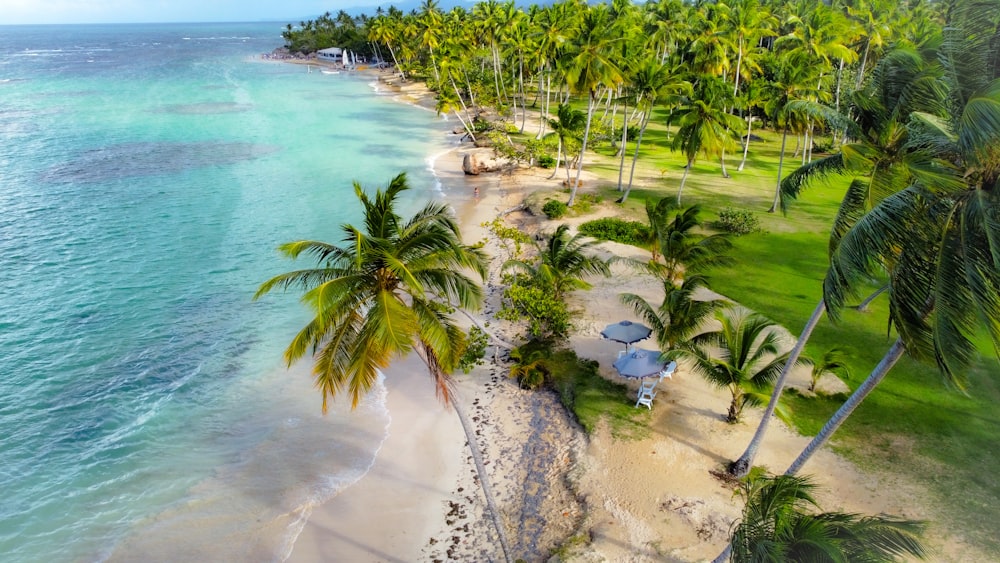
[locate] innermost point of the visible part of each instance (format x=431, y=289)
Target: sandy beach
x=600, y=497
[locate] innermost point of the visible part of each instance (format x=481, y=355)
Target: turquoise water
x=147, y=172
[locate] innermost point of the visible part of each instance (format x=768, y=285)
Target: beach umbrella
x=640, y=363
x=626, y=332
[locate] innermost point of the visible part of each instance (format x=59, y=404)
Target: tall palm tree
x=651, y=83
x=705, y=126
x=562, y=264
x=387, y=291
x=741, y=356
x=677, y=318
x=791, y=94
x=939, y=238
x=904, y=82
x=566, y=126
x=778, y=525
x=591, y=66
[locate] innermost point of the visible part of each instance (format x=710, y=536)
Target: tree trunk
x=722, y=160
x=477, y=456
x=741, y=466
x=583, y=150
x=621, y=151
x=635, y=156
x=878, y=374
x=863, y=306
x=542, y=111
x=458, y=94
x=746, y=145
x=739, y=61
x=555, y=169
x=781, y=159
x=684, y=179
x=520, y=80
x=484, y=481
x=840, y=73
x=864, y=59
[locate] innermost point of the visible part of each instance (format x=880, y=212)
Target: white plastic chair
x=647, y=391
x=668, y=371
x=622, y=353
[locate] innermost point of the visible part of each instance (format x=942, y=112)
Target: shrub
x=617, y=230
x=738, y=221
x=554, y=209
x=475, y=349
x=546, y=161
x=547, y=316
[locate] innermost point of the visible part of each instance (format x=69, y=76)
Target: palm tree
x=684, y=250
x=778, y=525
x=679, y=315
x=939, y=238
x=834, y=361
x=566, y=126
x=705, y=126
x=789, y=95
x=386, y=292
x=590, y=67
x=562, y=263
x=903, y=82
x=742, y=356
x=651, y=82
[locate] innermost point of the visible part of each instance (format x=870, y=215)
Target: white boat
x=324, y=71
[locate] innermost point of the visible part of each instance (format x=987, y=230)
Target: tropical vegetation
x=873, y=124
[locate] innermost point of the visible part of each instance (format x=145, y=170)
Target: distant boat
x=324, y=71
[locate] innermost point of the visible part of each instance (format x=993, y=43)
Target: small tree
x=833, y=361
x=741, y=357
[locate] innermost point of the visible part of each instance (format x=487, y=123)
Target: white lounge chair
x=647, y=392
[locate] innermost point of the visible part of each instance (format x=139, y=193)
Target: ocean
x=147, y=174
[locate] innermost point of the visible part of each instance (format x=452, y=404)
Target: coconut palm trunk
x=741, y=466
x=863, y=306
x=878, y=374
x=781, y=159
x=684, y=178
x=583, y=150
x=746, y=145
x=635, y=156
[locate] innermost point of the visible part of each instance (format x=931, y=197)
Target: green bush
x=738, y=221
x=554, y=209
x=546, y=161
x=547, y=316
x=475, y=349
x=617, y=230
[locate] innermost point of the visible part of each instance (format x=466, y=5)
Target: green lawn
x=914, y=423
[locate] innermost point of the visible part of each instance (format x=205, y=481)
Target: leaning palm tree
x=778, y=525
x=939, y=239
x=677, y=318
x=879, y=159
x=741, y=356
x=705, y=126
x=387, y=291
x=562, y=264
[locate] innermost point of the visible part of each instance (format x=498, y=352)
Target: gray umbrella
x=626, y=332
x=639, y=363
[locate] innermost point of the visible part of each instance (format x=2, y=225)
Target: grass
x=914, y=424
x=590, y=397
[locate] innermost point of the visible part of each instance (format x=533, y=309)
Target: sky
x=143, y=11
